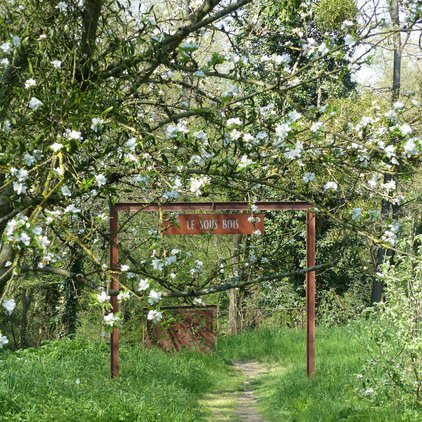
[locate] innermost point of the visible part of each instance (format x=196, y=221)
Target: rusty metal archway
x=219, y=206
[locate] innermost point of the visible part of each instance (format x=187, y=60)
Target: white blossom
x=3, y=340
x=100, y=179
x=71, y=209
x=349, y=40
x=331, y=186
x=196, y=184
x=29, y=159
x=154, y=297
x=19, y=188
x=245, y=161
x=124, y=268
x=282, y=130
x=110, y=319
x=294, y=115
x=410, y=147
x=62, y=6
x=398, y=105
x=123, y=296
x=143, y=285
x=57, y=146
x=65, y=191
x=323, y=49
x=103, y=297
x=9, y=305
x=234, y=121
x=155, y=316
x=198, y=301
x=317, y=126
x=405, y=129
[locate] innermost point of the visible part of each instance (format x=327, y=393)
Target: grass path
x=235, y=400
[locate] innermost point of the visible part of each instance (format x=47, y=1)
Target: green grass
x=332, y=395
x=69, y=381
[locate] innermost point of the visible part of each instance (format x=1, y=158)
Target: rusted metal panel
x=188, y=328
x=310, y=294
x=214, y=206
x=214, y=224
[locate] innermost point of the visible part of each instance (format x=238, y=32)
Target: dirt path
x=237, y=401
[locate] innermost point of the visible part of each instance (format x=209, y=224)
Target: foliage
x=393, y=374
x=331, y=395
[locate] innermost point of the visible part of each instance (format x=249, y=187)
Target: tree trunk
x=71, y=292
x=387, y=208
x=234, y=296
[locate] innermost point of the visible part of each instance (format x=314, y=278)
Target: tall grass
x=69, y=381
x=334, y=394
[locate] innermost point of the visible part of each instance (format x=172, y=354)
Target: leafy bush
x=394, y=372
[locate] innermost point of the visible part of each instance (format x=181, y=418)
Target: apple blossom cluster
x=22, y=233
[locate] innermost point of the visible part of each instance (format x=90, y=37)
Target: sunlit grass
x=69, y=381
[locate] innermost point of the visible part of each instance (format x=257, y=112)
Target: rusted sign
x=188, y=328
x=215, y=224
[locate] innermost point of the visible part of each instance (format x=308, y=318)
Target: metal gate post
x=114, y=285
x=310, y=294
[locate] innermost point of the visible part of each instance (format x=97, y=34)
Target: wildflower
x=56, y=146
x=198, y=301
x=35, y=103
x=6, y=47
x=29, y=83
x=124, y=268
x=57, y=64
x=73, y=134
x=309, y=177
x=97, y=124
